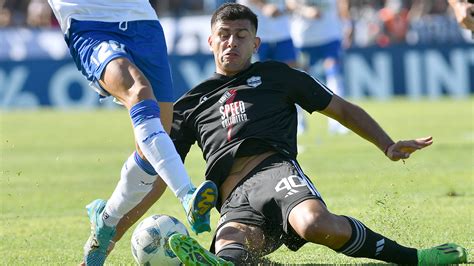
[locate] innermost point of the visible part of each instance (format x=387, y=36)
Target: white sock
x=134, y=185
x=158, y=148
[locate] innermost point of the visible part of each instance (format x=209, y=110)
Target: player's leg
x=119, y=75
x=138, y=211
x=235, y=243
x=197, y=202
x=136, y=180
x=243, y=243
x=166, y=115
x=92, y=50
x=130, y=218
x=313, y=222
x=135, y=84
x=239, y=238
x=133, y=215
x=108, y=62
x=159, y=187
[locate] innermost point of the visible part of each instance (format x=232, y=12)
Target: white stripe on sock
x=359, y=239
x=380, y=245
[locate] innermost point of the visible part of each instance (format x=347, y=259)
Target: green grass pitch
x=53, y=163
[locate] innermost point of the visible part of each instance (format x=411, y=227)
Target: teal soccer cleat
x=198, y=203
x=95, y=249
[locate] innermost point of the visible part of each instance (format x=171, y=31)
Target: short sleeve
x=308, y=92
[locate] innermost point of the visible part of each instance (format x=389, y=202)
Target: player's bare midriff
x=241, y=167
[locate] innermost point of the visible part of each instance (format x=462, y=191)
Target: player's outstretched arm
x=360, y=122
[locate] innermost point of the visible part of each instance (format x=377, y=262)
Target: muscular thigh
x=266, y=196
x=139, y=45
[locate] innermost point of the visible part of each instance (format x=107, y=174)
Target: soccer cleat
x=198, y=203
x=190, y=253
x=95, y=249
x=449, y=253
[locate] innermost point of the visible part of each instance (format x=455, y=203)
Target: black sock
x=237, y=254
x=367, y=244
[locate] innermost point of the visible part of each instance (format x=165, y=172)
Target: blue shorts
x=318, y=53
x=93, y=44
x=283, y=51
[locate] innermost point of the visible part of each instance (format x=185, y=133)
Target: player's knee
x=237, y=254
x=127, y=83
x=315, y=225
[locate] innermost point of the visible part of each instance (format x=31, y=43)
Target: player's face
x=233, y=42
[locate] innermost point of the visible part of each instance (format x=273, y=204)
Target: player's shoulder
x=272, y=64
x=194, y=95
x=273, y=68
x=209, y=84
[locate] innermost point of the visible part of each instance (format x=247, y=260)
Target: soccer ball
x=150, y=240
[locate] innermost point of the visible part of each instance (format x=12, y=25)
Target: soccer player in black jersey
x=244, y=120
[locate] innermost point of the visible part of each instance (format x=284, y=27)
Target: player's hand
x=404, y=148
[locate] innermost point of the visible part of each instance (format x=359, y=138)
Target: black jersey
x=247, y=114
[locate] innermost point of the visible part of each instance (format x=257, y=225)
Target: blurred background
x=409, y=48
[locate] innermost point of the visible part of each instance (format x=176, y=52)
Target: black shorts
x=266, y=196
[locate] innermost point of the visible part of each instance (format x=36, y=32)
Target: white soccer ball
x=150, y=240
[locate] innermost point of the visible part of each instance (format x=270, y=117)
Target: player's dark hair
x=234, y=11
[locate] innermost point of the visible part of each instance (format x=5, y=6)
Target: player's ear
x=256, y=44
x=209, y=41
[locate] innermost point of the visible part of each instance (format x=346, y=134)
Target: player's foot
x=198, y=203
x=95, y=249
x=109, y=249
x=444, y=254
x=190, y=253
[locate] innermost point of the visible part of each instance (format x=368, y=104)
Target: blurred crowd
x=368, y=22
